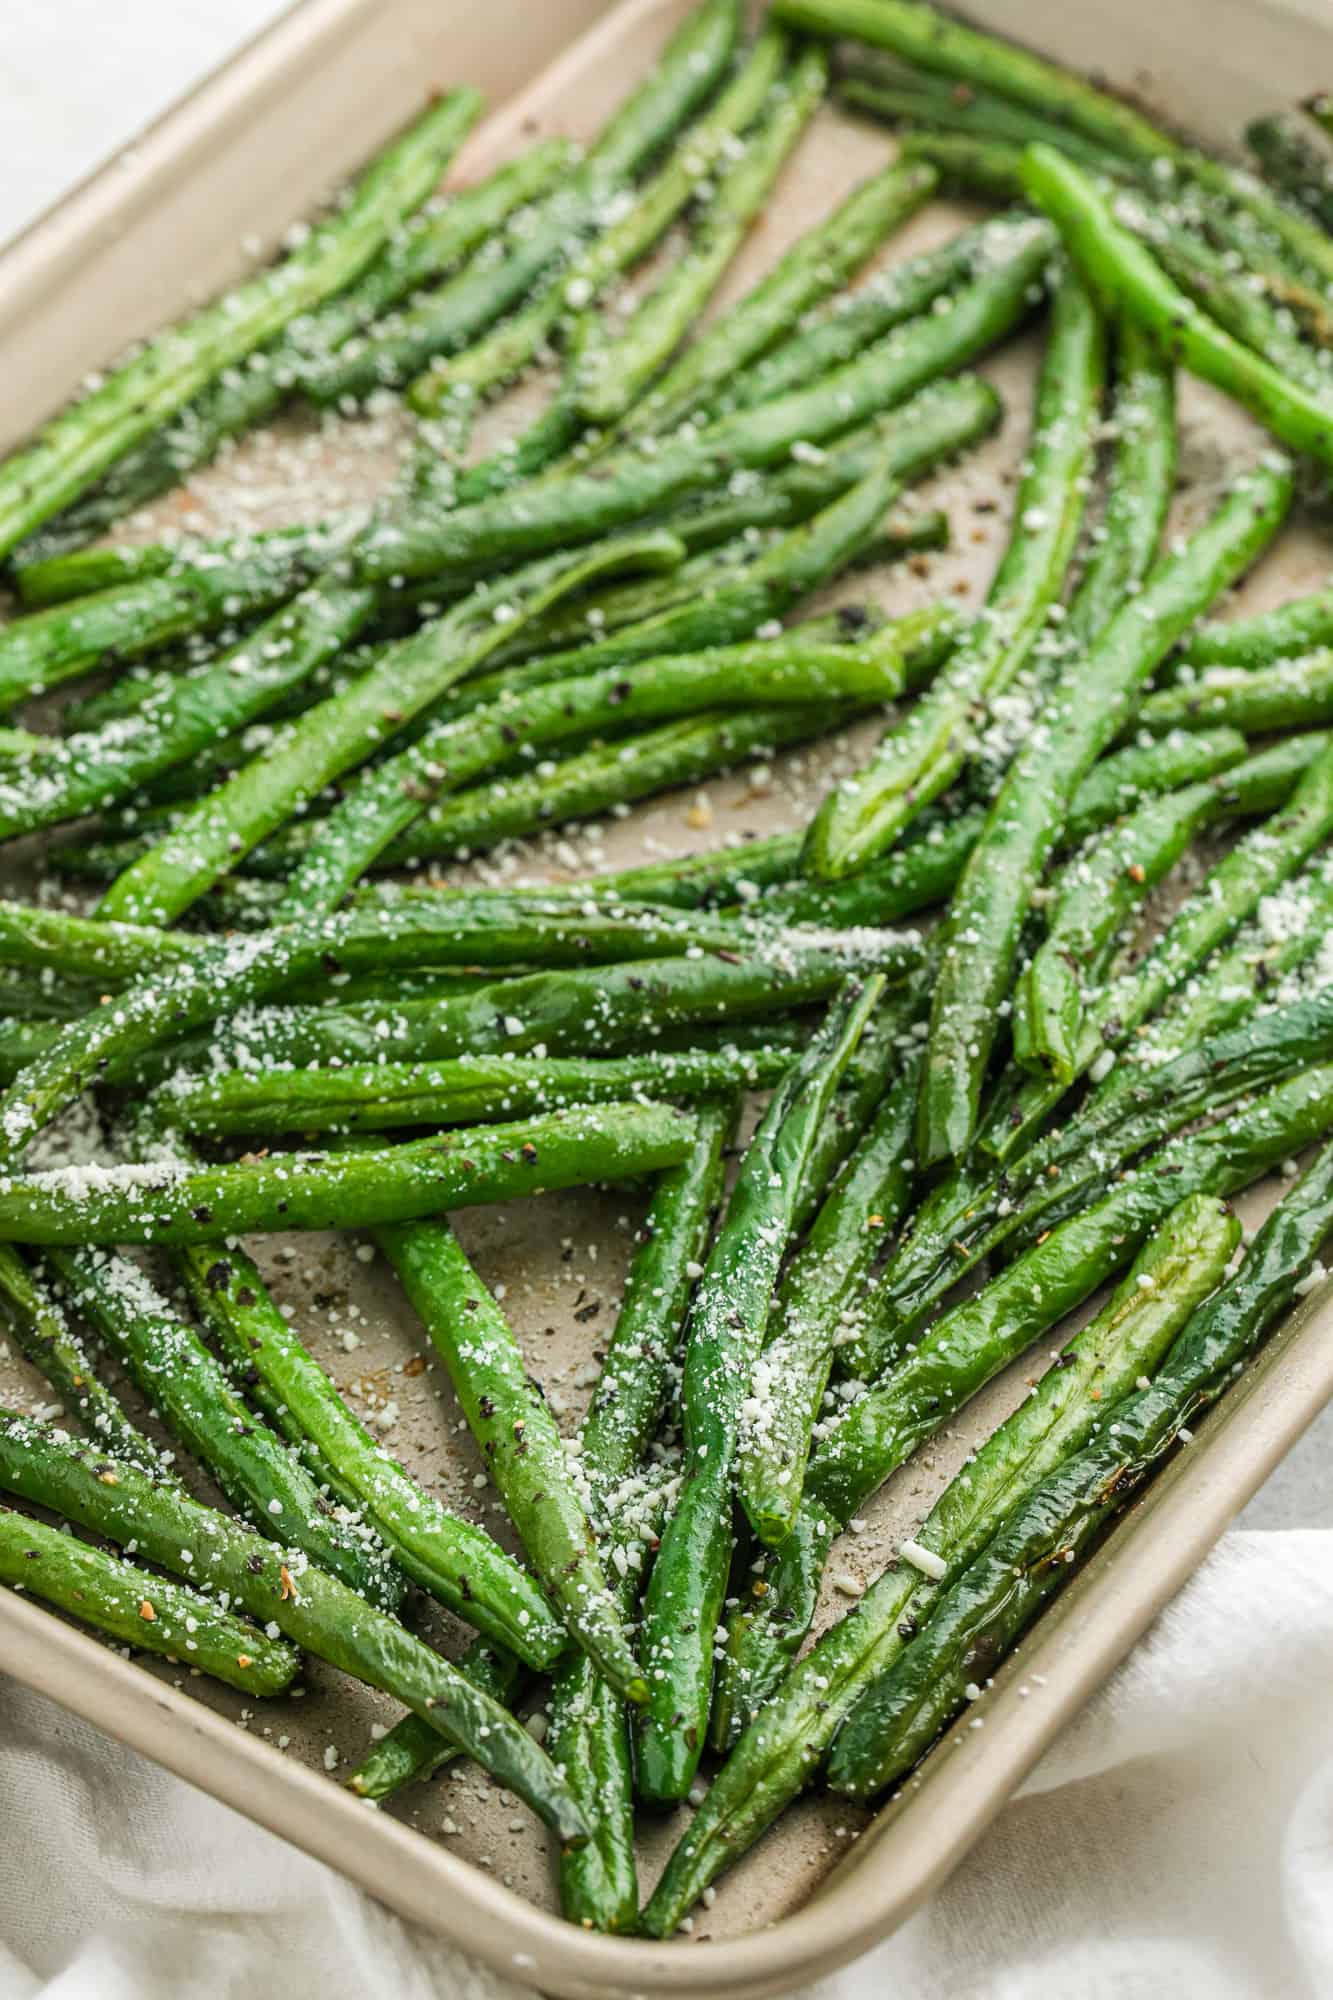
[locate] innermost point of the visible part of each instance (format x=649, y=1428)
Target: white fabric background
x=1179, y=1839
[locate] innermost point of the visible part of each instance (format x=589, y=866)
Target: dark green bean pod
x=1140, y=482
x=893, y=295
x=161, y=1204
x=1291, y=694
x=1299, y=626
x=1290, y=153
x=36, y=1320
x=516, y=1434
x=1100, y=891
x=467, y=1091
x=816, y=1300
x=1123, y=780
x=149, y=1613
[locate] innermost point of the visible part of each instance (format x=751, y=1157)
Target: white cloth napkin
x=1177, y=1840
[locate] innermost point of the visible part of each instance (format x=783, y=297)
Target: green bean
x=77, y=446
x=1119, y=782
x=726, y=1325
x=603, y=778
x=412, y=1750
x=915, y=99
x=1085, y=710
x=938, y=420
x=49, y=647
x=1097, y=894
x=339, y=732
x=521, y=1447
x=549, y=434
x=1299, y=626
x=1236, y=300
x=643, y=1002
x=967, y=1346
x=1122, y=271
x=1291, y=694
x=982, y=169
x=282, y=1587
x=536, y=251
x=36, y=1320
x=159, y=1204
x=783, y=1746
x=457, y=1564
x=56, y=941
x=467, y=1091
x=49, y=581
x=147, y=1612
x=620, y=369
x=1290, y=154
x=1141, y=480
x=255, y=1469
x=876, y=1063
x=920, y=757
x=983, y=1213
x=996, y=1597
x=1268, y=958
x=813, y=1305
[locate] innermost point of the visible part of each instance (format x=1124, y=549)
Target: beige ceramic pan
x=249, y=152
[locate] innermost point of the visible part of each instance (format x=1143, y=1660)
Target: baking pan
x=250, y=151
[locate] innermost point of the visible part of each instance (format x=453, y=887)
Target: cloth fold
x=1177, y=1839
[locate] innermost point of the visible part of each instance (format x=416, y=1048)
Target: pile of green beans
x=880, y=1086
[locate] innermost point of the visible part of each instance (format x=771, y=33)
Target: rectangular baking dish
x=251, y=150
